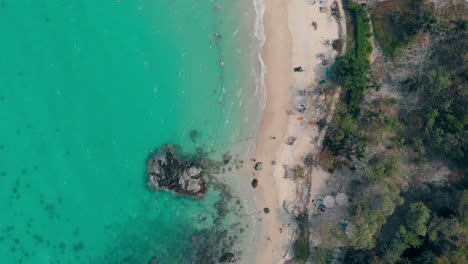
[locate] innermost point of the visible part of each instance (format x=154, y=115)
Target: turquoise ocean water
x=87, y=89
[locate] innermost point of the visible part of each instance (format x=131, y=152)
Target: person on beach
x=298, y=69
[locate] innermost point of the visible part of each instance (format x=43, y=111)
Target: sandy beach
x=292, y=40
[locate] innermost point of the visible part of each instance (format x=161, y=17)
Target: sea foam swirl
x=259, y=31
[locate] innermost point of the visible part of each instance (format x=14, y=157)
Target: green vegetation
x=326, y=160
x=374, y=203
x=363, y=31
x=389, y=166
x=409, y=235
x=301, y=248
x=397, y=22
x=424, y=223
x=299, y=172
x=416, y=218
x=445, y=112
x=322, y=256
x=430, y=228
x=343, y=135
x=350, y=71
x=399, y=142
x=441, y=121
x=337, y=45
x=419, y=151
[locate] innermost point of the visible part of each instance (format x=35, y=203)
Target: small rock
x=266, y=210
x=259, y=166
x=154, y=260
x=254, y=183
x=226, y=158
x=227, y=258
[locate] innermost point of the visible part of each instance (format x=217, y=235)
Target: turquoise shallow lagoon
x=87, y=89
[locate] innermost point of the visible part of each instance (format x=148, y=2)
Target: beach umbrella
x=341, y=199
x=328, y=72
x=329, y=201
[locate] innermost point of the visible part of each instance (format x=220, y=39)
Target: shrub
x=389, y=166
x=299, y=172
x=301, y=248
x=337, y=45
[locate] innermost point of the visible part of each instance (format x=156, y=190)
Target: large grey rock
x=194, y=171
x=154, y=260
x=166, y=171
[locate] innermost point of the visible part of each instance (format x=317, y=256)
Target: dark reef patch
x=194, y=135
x=77, y=247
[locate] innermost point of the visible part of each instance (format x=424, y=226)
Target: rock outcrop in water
x=167, y=171
x=227, y=258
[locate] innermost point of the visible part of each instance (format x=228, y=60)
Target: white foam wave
x=259, y=7
x=261, y=80
x=260, y=89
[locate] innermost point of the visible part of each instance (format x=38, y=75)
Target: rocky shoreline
x=168, y=171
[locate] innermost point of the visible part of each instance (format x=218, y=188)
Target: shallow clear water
x=87, y=89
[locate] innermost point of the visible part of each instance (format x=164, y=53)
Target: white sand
x=291, y=41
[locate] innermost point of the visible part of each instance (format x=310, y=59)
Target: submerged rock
x=154, y=260
x=167, y=171
x=227, y=258
x=226, y=158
